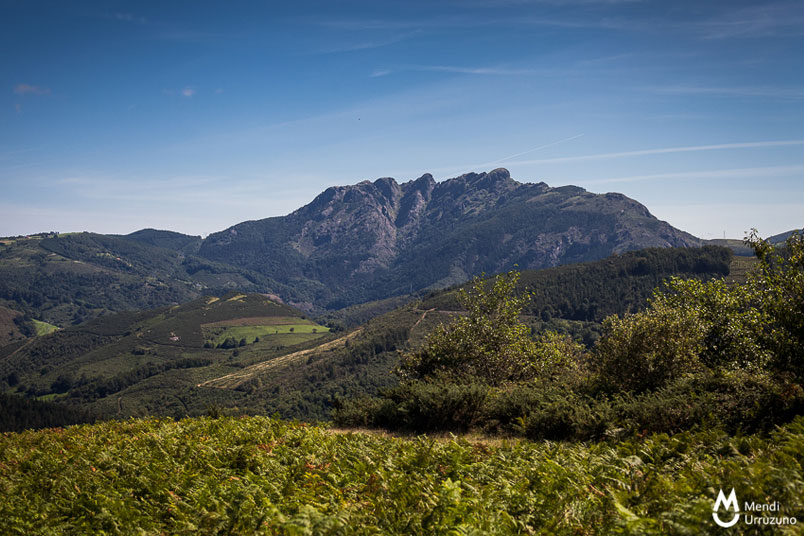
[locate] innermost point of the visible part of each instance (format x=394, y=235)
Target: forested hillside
x=69, y=279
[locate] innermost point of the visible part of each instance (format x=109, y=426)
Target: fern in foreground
x=265, y=476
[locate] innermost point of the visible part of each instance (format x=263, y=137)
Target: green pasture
x=217, y=335
x=43, y=328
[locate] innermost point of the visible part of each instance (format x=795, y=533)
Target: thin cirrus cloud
x=664, y=150
x=770, y=19
x=28, y=89
x=455, y=69
x=129, y=17
x=186, y=92
x=735, y=173
x=367, y=45
x=480, y=22
x=782, y=93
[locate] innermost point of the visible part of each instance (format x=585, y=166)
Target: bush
x=777, y=287
x=546, y=411
x=419, y=407
x=645, y=350
x=488, y=345
x=732, y=319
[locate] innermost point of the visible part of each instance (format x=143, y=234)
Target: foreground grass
x=266, y=476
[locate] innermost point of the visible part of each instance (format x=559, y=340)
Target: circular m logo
x=727, y=503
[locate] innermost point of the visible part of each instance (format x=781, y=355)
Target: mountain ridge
x=368, y=240
x=351, y=244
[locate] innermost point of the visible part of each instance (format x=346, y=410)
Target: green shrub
x=359, y=412
x=427, y=406
x=489, y=344
x=733, y=400
x=732, y=321
x=645, y=350
x=777, y=288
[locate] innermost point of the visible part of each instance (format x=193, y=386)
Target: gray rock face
x=376, y=239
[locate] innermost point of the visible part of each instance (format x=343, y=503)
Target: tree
x=777, y=288
x=488, y=344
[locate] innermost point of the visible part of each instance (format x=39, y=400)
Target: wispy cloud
x=485, y=165
x=539, y=148
x=367, y=45
x=665, y=150
x=736, y=173
x=761, y=92
x=765, y=19
x=473, y=70
x=610, y=23
x=129, y=17
x=28, y=89
x=185, y=92
x=460, y=69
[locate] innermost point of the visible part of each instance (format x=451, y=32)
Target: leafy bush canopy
x=488, y=344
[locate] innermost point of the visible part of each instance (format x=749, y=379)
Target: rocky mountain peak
x=377, y=238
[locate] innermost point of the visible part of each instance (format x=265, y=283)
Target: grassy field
x=265, y=476
x=43, y=328
x=216, y=335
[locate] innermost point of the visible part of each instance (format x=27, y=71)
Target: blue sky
x=194, y=116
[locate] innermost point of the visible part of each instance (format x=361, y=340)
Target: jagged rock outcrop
x=377, y=239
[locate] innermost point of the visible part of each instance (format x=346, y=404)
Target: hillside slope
x=71, y=278
x=145, y=363
x=266, y=476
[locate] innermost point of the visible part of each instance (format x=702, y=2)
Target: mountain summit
x=376, y=239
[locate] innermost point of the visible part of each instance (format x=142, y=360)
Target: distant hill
x=379, y=239
x=167, y=239
x=71, y=278
x=738, y=245
x=781, y=237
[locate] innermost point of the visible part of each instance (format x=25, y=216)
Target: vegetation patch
x=217, y=336
x=707, y=353
x=43, y=328
x=266, y=476
x=257, y=321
